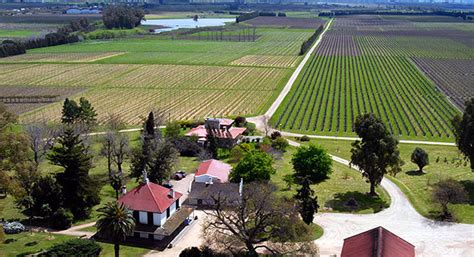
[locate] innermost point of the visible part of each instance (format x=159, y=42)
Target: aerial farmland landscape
x=237, y=128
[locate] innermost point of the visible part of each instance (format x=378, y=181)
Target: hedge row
x=309, y=42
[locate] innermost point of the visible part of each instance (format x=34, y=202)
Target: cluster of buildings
x=161, y=212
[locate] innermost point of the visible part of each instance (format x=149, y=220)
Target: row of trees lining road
x=464, y=131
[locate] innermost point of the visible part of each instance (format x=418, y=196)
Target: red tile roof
x=200, y=131
x=149, y=197
x=377, y=242
x=214, y=168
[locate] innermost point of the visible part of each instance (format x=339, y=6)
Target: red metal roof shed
x=149, y=197
x=377, y=242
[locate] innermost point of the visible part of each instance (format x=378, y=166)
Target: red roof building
x=156, y=209
x=150, y=197
x=377, y=242
x=212, y=171
x=232, y=133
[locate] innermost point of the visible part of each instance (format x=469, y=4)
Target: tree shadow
x=469, y=187
x=415, y=173
x=355, y=201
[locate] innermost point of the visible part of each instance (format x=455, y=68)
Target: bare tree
x=121, y=151
x=256, y=221
x=267, y=126
x=41, y=140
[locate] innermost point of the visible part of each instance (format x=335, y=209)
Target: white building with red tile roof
x=156, y=209
x=212, y=171
x=222, y=129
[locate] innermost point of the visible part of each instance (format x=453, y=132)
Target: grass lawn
x=416, y=186
x=343, y=184
x=26, y=243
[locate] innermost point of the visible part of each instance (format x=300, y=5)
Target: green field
x=364, y=64
x=183, y=79
x=444, y=163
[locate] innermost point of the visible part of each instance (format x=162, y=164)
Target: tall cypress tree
x=80, y=192
x=307, y=202
x=71, y=112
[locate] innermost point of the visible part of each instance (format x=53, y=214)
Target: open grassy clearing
x=17, y=33
x=363, y=65
x=417, y=187
x=343, y=184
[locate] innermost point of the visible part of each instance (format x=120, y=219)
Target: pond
x=174, y=24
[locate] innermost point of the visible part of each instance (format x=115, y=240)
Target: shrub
x=448, y=191
x=304, y=139
x=250, y=128
x=275, y=134
x=13, y=227
x=240, y=121
x=75, y=247
x=280, y=144
x=61, y=219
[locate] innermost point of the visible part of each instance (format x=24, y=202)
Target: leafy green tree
x=116, y=182
x=6, y=117
x=311, y=163
x=464, y=132
x=79, y=190
x=122, y=17
x=142, y=155
x=172, y=130
x=279, y=143
x=87, y=114
x=377, y=152
x=115, y=223
x=46, y=192
x=420, y=158
x=255, y=166
x=70, y=112
x=448, y=191
x=211, y=142
x=163, y=160
x=307, y=202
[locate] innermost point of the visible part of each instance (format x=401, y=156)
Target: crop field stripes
x=335, y=89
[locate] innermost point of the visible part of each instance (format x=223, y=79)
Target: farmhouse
x=377, y=242
x=226, y=135
x=202, y=195
x=156, y=209
x=212, y=171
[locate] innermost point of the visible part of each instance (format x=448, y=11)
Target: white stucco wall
x=172, y=209
x=143, y=217
x=156, y=219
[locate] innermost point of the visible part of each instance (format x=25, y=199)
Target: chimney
x=145, y=177
x=124, y=190
x=171, y=193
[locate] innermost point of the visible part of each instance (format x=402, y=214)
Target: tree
x=75, y=247
x=163, y=161
x=211, y=142
x=307, y=202
x=115, y=223
x=256, y=220
x=448, y=191
x=122, y=17
x=70, y=112
x=464, y=132
x=6, y=117
x=280, y=144
x=267, y=126
x=46, y=192
x=41, y=138
x=311, y=163
x=79, y=191
x=376, y=152
x=255, y=166
x=420, y=158
x=87, y=114
x=172, y=130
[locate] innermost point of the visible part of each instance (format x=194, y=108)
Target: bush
x=186, y=146
x=275, y=135
x=240, y=121
x=304, y=139
x=62, y=219
x=280, y=144
x=75, y=247
x=250, y=128
x=13, y=227
x=120, y=16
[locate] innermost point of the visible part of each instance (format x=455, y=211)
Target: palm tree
x=115, y=223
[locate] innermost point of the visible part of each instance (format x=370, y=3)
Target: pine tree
x=80, y=192
x=87, y=114
x=307, y=202
x=71, y=112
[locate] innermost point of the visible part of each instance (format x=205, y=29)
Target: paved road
x=431, y=239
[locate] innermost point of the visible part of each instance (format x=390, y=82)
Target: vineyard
x=59, y=57
x=183, y=92
x=369, y=64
